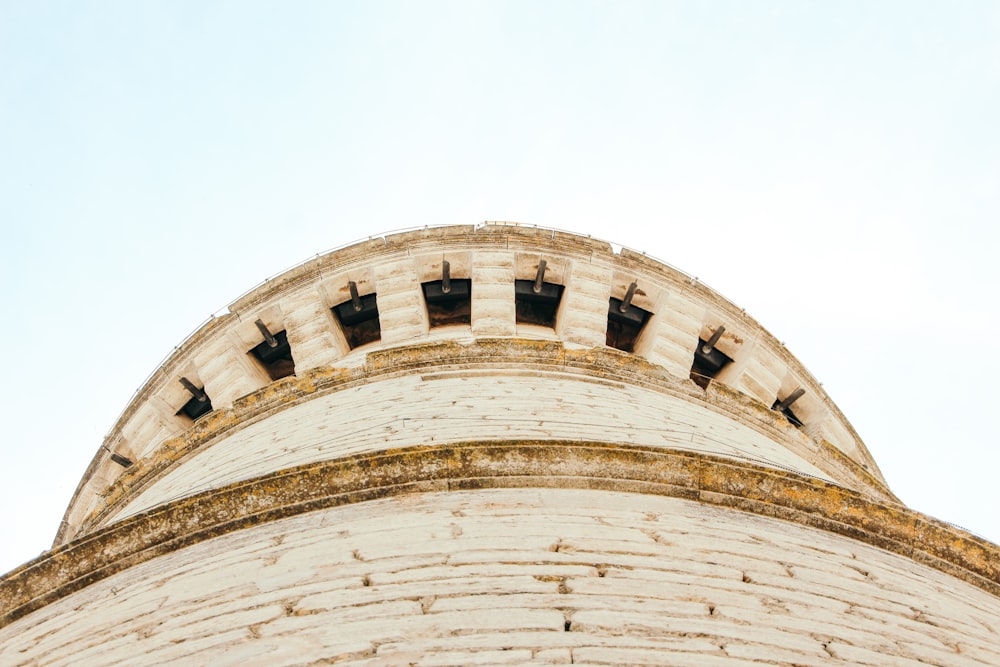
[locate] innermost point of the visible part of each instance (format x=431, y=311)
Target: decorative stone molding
x=501, y=464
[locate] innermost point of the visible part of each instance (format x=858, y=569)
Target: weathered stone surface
x=512, y=575
x=498, y=357
x=455, y=407
x=359, y=478
x=583, y=315
x=491, y=255
x=493, y=491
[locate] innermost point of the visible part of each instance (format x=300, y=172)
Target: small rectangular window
x=625, y=325
x=539, y=307
x=199, y=404
x=277, y=359
x=451, y=307
x=708, y=363
x=359, y=322
x=196, y=407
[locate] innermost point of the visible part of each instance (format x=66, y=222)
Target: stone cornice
x=485, y=464
x=539, y=357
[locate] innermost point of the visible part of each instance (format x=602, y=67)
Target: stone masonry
x=493, y=444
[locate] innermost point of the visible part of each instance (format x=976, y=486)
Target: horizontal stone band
x=488, y=355
x=485, y=464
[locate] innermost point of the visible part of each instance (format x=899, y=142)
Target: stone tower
x=493, y=445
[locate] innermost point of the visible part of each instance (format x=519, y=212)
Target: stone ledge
x=575, y=464
x=539, y=357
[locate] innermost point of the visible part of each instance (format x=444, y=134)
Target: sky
x=833, y=168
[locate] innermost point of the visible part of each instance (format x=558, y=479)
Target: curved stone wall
x=519, y=576
x=493, y=445
x=249, y=504
x=451, y=402
x=217, y=362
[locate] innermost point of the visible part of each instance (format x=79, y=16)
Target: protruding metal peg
x=355, y=297
x=445, y=277
x=268, y=336
x=792, y=397
x=627, y=301
x=197, y=393
x=539, y=277
x=123, y=461
x=710, y=343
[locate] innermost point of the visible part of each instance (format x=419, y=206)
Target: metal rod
x=710, y=344
x=445, y=276
x=792, y=397
x=197, y=393
x=539, y=277
x=355, y=297
x=268, y=336
x=627, y=301
x=123, y=461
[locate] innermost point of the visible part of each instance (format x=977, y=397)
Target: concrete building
x=493, y=445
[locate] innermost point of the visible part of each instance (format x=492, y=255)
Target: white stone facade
x=493, y=257
x=519, y=576
x=517, y=478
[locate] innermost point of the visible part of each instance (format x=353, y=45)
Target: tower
x=493, y=445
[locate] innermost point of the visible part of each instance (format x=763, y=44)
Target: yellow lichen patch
x=521, y=463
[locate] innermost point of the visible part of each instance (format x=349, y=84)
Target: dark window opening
x=789, y=415
x=624, y=327
x=785, y=407
x=708, y=363
x=197, y=406
x=451, y=307
x=539, y=307
x=360, y=325
x=276, y=360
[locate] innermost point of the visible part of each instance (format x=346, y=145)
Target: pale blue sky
x=834, y=168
